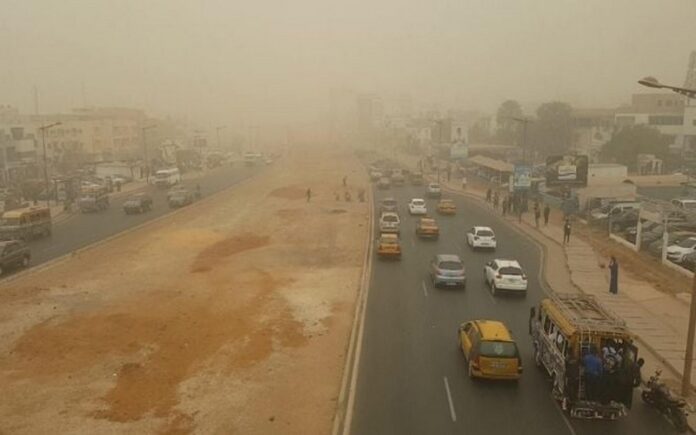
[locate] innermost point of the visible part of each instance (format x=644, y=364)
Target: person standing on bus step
x=613, y=275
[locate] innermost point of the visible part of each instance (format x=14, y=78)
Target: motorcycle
x=657, y=395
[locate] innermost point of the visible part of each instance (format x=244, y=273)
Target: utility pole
x=147, y=159
x=652, y=82
x=43, y=129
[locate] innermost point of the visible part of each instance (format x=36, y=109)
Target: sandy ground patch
x=230, y=317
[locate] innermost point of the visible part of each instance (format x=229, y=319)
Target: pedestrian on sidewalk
x=613, y=276
x=547, y=212
x=496, y=200
x=519, y=215
x=505, y=205
x=537, y=216
x=566, y=231
x=309, y=194
x=488, y=195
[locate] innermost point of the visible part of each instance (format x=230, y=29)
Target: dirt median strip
x=232, y=316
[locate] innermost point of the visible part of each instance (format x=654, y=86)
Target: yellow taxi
x=427, y=227
x=446, y=206
x=388, y=246
x=489, y=349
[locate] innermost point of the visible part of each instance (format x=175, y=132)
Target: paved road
x=83, y=229
x=410, y=356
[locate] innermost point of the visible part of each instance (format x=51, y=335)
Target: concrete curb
x=54, y=262
x=344, y=405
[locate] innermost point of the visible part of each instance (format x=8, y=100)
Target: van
x=489, y=349
x=167, y=177
x=25, y=223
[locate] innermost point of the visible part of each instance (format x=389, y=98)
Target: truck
x=167, y=177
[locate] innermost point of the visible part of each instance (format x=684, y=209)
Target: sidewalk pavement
x=658, y=320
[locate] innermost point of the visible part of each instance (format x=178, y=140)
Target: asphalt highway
x=411, y=376
x=81, y=230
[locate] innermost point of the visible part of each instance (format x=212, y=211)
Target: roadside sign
x=522, y=177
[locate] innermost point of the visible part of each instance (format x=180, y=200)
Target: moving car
x=416, y=179
x=388, y=204
x=389, y=222
x=433, y=190
x=676, y=252
x=489, y=349
x=481, y=237
x=446, y=207
x=13, y=253
x=426, y=227
x=180, y=198
x=139, y=203
x=417, y=207
x=388, y=246
x=397, y=177
x=383, y=183
x=447, y=270
x=505, y=275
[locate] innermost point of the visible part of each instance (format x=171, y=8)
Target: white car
x=481, y=237
x=678, y=251
x=433, y=190
x=389, y=222
x=417, y=207
x=505, y=275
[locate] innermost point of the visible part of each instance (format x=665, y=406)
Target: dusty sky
x=225, y=60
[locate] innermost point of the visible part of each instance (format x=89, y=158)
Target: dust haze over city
x=367, y=217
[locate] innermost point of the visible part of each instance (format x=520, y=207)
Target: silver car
x=447, y=270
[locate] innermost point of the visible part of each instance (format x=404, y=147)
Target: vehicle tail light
x=475, y=363
x=476, y=237
x=498, y=276
x=519, y=365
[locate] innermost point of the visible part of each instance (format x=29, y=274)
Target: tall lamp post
x=652, y=82
x=43, y=129
x=147, y=159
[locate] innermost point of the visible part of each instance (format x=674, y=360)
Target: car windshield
x=511, y=270
x=389, y=202
x=450, y=265
x=418, y=203
x=688, y=243
x=390, y=218
x=484, y=233
x=498, y=349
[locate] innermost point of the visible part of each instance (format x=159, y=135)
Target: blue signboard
x=522, y=177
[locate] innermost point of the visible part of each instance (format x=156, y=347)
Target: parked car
x=684, y=204
x=613, y=209
x=388, y=204
x=674, y=237
x=389, y=222
x=433, y=190
x=677, y=251
x=631, y=232
x=689, y=261
x=417, y=207
x=624, y=220
x=447, y=270
x=505, y=275
x=481, y=237
x=139, y=203
x=13, y=253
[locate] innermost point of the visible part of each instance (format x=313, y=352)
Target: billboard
x=569, y=170
x=459, y=151
x=522, y=177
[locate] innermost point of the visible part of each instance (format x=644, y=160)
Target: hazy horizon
x=216, y=61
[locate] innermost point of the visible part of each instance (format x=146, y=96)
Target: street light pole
x=652, y=82
x=147, y=159
x=43, y=129
x=524, y=122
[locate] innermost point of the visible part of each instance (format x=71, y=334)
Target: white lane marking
x=425, y=288
x=449, y=399
x=564, y=416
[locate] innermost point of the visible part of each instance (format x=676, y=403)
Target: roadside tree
x=627, y=143
x=507, y=131
x=552, y=131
